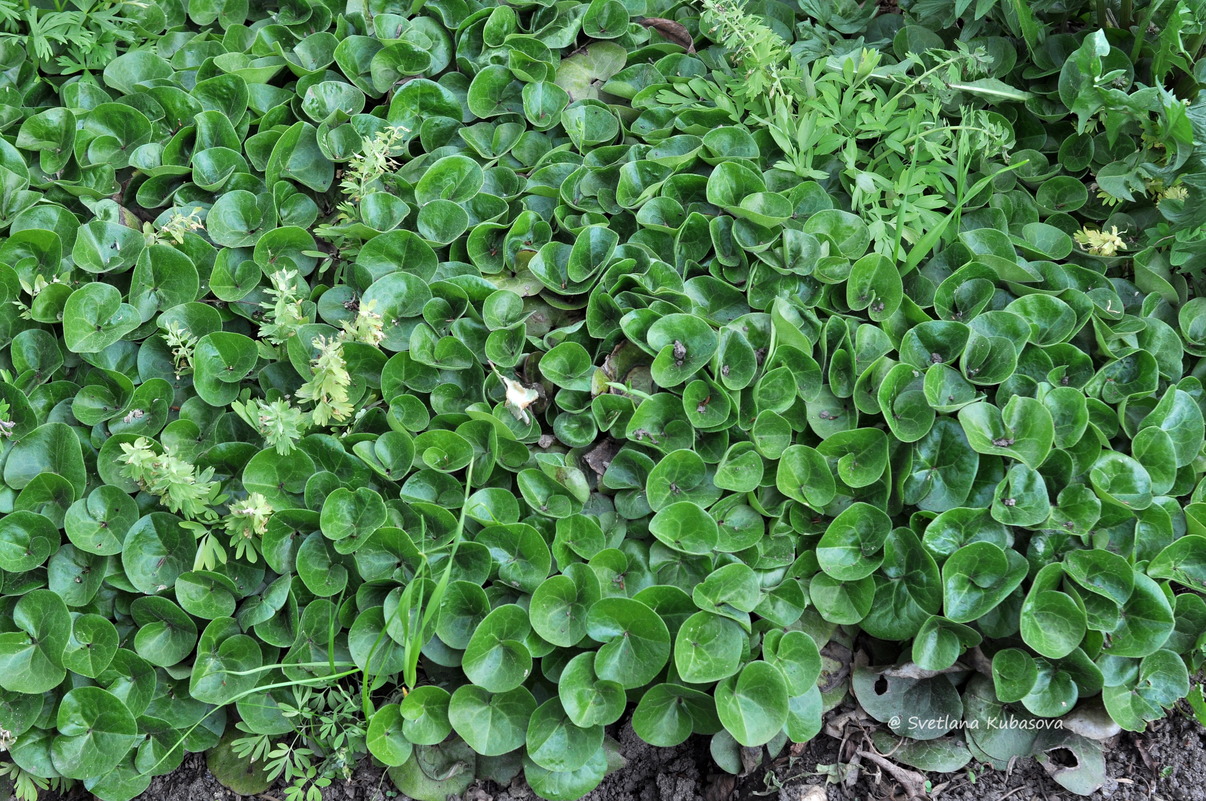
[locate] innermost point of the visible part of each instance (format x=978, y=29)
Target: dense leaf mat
x=445, y=381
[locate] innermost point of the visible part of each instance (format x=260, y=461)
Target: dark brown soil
x=1167, y=763
x=652, y=774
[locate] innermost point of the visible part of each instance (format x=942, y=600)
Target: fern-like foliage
x=898, y=138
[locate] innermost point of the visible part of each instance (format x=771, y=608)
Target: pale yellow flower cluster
x=1100, y=243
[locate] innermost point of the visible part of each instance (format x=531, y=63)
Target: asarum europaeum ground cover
x=439, y=382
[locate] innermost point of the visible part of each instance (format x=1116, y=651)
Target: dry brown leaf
x=599, y=457
x=672, y=31
x=721, y=787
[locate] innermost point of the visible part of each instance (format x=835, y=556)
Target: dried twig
x=912, y=781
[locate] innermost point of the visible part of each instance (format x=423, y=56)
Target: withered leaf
x=672, y=31
x=599, y=457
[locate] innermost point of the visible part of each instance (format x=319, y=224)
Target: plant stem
x=1195, y=46
x=627, y=390
x=916, y=80
x=903, y=206
x=944, y=128
x=1141, y=34
x=267, y=668
x=259, y=689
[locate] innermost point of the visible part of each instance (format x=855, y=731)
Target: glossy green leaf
x=753, y=705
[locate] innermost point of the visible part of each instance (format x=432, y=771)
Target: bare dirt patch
x=1166, y=763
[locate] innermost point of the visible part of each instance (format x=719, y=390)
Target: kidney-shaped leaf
x=635, y=641
x=753, y=705
x=95, y=732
